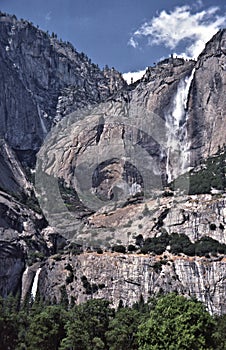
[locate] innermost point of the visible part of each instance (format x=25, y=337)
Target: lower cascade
x=35, y=284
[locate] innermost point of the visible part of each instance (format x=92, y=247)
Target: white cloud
x=135, y=75
x=132, y=42
x=182, y=25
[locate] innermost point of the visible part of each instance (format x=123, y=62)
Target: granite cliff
x=106, y=156
x=51, y=76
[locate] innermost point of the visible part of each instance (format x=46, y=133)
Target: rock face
x=50, y=76
x=195, y=216
x=102, y=171
x=24, y=239
x=13, y=178
x=18, y=220
x=12, y=264
x=206, y=105
x=163, y=120
x=127, y=277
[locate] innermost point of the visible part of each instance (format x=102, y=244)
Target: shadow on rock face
x=12, y=265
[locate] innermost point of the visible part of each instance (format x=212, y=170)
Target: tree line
x=167, y=322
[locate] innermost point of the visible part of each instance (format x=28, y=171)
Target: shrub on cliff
x=119, y=248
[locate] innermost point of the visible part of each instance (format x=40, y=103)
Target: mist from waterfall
x=178, y=155
x=34, y=288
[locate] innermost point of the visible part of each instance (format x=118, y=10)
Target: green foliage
x=99, y=251
x=119, y=248
x=131, y=248
x=166, y=322
x=220, y=332
x=158, y=265
x=89, y=288
x=9, y=327
x=32, y=203
x=139, y=240
x=129, y=223
x=180, y=243
x=86, y=330
x=64, y=297
x=146, y=211
x=76, y=337
x=50, y=330
x=122, y=330
x=34, y=256
x=177, y=323
x=211, y=173
x=69, y=267
x=209, y=245
x=156, y=245
x=57, y=257
x=75, y=248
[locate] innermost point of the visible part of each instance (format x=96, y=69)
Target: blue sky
x=126, y=34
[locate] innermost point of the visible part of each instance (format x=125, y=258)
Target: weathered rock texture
x=12, y=264
x=206, y=104
x=127, y=277
x=42, y=78
x=13, y=178
x=191, y=215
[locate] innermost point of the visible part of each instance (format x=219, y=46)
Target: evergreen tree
x=177, y=323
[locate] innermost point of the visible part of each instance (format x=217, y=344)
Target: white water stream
x=34, y=288
x=177, y=143
x=41, y=121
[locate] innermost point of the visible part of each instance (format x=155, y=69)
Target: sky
x=128, y=35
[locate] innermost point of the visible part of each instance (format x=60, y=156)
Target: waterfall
x=35, y=284
x=176, y=122
x=41, y=121
x=23, y=288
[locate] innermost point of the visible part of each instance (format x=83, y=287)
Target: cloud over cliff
x=184, y=29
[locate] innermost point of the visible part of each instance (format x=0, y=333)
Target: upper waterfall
x=177, y=144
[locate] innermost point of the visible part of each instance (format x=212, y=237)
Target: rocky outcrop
x=194, y=216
